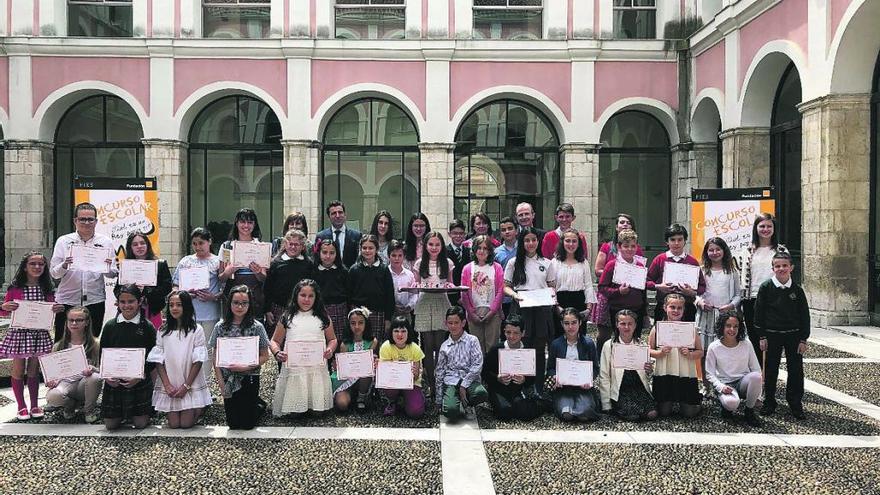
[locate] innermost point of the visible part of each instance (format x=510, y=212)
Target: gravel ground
x=636, y=469
x=4, y=400
x=824, y=417
x=178, y=465
x=858, y=380
x=821, y=351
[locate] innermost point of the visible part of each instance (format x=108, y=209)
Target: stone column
x=437, y=181
x=746, y=156
x=165, y=160
x=835, y=178
x=29, y=192
x=580, y=187
x=695, y=168
x=302, y=168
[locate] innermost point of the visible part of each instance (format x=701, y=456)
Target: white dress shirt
x=77, y=287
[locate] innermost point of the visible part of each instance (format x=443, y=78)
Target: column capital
x=28, y=144
x=446, y=147
x=704, y=146
x=164, y=143
x=588, y=148
x=835, y=100
x=301, y=143
x=685, y=146
x=739, y=131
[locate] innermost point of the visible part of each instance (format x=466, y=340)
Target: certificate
x=89, y=259
x=122, y=362
x=242, y=351
x=681, y=274
x=63, y=364
x=194, y=278
x=396, y=375
x=535, y=298
x=516, y=362
x=33, y=314
x=629, y=357
x=675, y=334
x=630, y=274
x=138, y=272
x=573, y=372
x=356, y=364
x=245, y=253
x=304, y=353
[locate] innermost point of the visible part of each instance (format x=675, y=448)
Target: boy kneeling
x=459, y=363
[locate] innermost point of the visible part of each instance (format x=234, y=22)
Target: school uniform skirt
x=121, y=402
x=338, y=313
x=431, y=311
x=672, y=388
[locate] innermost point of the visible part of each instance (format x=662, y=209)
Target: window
x=99, y=18
x=635, y=167
x=99, y=136
x=235, y=161
x=370, y=19
x=370, y=161
x=508, y=19
x=635, y=19
x=236, y=18
x=506, y=152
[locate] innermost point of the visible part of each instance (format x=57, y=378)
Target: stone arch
x=189, y=109
x=50, y=111
x=706, y=118
x=853, y=50
x=661, y=111
x=343, y=97
x=762, y=80
x=535, y=98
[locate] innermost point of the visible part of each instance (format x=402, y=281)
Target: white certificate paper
x=535, y=298
x=138, y=272
x=243, y=253
x=681, y=274
x=88, y=259
x=630, y=274
x=629, y=357
x=516, y=362
x=304, y=353
x=59, y=365
x=675, y=334
x=33, y=314
x=122, y=362
x=194, y=278
x=356, y=364
x=396, y=375
x=242, y=351
x=573, y=372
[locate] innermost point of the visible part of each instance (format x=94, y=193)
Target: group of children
x=453, y=348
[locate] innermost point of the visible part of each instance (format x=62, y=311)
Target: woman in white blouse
x=570, y=275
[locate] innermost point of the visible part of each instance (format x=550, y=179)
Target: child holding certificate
x=80, y=390
x=675, y=371
x=139, y=247
x=401, y=346
x=570, y=274
x=332, y=278
x=571, y=402
x=676, y=237
x=722, y=289
x=240, y=384
x=512, y=396
x=302, y=388
x=482, y=301
x=128, y=397
x=358, y=336
x=31, y=283
x=206, y=300
x=625, y=392
x=459, y=364
x=290, y=265
x=622, y=296
x=245, y=228
x=179, y=354
x=733, y=369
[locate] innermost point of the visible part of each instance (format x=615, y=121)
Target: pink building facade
x=452, y=107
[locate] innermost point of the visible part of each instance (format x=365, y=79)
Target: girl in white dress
x=179, y=354
x=303, y=388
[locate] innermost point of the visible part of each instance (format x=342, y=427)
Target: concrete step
x=865, y=332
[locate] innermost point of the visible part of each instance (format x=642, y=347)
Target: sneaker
x=751, y=418
x=390, y=410
x=91, y=418
x=37, y=412
x=23, y=414
x=68, y=414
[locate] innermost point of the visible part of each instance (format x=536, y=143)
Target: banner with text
x=728, y=214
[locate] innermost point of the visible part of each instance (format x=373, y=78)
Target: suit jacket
x=352, y=242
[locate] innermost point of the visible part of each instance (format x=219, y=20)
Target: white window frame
x=103, y=3
x=369, y=5
x=507, y=6
x=655, y=8
x=232, y=4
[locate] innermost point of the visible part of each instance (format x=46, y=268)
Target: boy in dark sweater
x=676, y=238
x=782, y=321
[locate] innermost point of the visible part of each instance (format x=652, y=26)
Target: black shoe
x=725, y=414
x=751, y=418
x=798, y=412
x=768, y=409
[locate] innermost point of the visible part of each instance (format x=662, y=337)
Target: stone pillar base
x=823, y=318
x=437, y=182
x=302, y=165
x=746, y=156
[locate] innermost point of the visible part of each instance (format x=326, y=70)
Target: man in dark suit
x=459, y=255
x=347, y=240
x=525, y=217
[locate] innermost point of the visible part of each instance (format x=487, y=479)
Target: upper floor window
x=236, y=18
x=370, y=19
x=99, y=18
x=635, y=19
x=508, y=19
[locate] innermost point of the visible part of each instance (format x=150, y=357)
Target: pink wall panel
x=330, y=76
x=51, y=73
x=268, y=75
x=618, y=80
x=709, y=68
x=786, y=21
x=552, y=79
x=4, y=86
x=838, y=8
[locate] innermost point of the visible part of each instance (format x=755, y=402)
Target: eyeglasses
x=76, y=321
x=241, y=304
x=86, y=219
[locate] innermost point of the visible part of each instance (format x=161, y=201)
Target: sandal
x=23, y=414
x=37, y=412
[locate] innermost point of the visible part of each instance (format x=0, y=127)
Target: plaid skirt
x=121, y=402
x=337, y=314
x=377, y=323
x=21, y=343
x=431, y=311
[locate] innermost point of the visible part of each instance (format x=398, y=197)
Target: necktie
x=336, y=235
